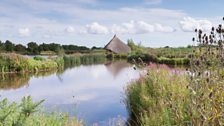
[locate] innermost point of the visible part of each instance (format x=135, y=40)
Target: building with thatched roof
x=117, y=46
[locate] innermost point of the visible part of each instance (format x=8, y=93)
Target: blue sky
x=154, y=23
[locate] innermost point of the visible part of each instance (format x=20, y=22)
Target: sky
x=153, y=23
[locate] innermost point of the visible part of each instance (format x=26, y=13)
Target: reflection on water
x=92, y=92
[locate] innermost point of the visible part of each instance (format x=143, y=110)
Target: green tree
x=20, y=48
x=2, y=46
x=9, y=46
x=135, y=48
x=33, y=48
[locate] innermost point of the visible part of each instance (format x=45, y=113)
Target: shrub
x=39, y=58
x=142, y=57
x=11, y=62
x=28, y=114
x=173, y=61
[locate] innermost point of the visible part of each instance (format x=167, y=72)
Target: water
x=94, y=93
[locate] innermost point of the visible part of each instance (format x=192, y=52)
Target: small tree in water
x=207, y=78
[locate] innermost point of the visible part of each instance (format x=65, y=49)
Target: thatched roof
x=117, y=46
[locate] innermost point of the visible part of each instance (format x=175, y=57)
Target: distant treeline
x=33, y=48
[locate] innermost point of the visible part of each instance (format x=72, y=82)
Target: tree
x=33, y=48
x=20, y=48
x=9, y=46
x=2, y=46
x=135, y=48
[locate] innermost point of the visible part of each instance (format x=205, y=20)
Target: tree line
x=32, y=48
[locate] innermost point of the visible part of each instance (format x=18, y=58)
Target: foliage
x=34, y=49
x=39, y=58
x=159, y=97
x=11, y=62
x=135, y=48
x=9, y=46
x=207, y=84
x=20, y=48
x=74, y=49
x=179, y=52
x=173, y=61
x=28, y=114
x=166, y=55
x=138, y=57
x=197, y=98
x=44, y=65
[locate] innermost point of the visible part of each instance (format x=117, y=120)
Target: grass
x=173, y=61
x=139, y=57
x=14, y=63
x=47, y=53
x=179, y=52
x=159, y=98
x=11, y=62
x=166, y=96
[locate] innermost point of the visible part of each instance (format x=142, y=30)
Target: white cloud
x=140, y=27
x=118, y=29
x=69, y=29
x=96, y=28
x=24, y=32
x=188, y=24
x=143, y=27
x=161, y=28
x=131, y=27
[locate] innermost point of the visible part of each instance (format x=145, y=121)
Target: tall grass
x=159, y=98
x=162, y=60
x=11, y=62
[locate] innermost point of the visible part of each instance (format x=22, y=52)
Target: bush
x=11, y=62
x=142, y=57
x=39, y=58
x=173, y=61
x=28, y=114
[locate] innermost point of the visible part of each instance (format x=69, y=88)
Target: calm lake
x=94, y=93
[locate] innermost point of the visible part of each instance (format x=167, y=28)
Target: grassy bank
x=28, y=113
x=10, y=62
x=147, y=58
x=14, y=63
x=165, y=96
x=159, y=98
